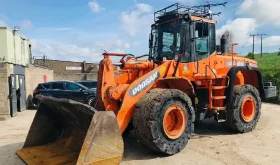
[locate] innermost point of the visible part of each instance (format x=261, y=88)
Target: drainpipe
x=16, y=28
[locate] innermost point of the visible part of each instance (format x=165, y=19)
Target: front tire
x=244, y=111
x=163, y=120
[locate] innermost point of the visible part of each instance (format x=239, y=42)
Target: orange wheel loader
x=183, y=79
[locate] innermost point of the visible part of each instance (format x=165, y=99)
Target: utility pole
x=253, y=35
x=261, y=43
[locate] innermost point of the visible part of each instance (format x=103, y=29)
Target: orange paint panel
x=118, y=92
x=180, y=83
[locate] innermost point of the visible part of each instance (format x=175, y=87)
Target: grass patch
x=269, y=64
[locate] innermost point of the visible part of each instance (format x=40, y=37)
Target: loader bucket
x=67, y=132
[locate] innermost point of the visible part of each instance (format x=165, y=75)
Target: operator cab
x=181, y=30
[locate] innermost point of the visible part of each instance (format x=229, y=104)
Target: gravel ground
x=212, y=144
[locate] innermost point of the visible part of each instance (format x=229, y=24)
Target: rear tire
x=244, y=111
x=154, y=117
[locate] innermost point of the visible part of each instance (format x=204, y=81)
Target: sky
x=80, y=30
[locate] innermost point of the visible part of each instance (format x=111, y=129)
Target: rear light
x=36, y=92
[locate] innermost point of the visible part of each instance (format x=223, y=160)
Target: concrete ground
x=212, y=144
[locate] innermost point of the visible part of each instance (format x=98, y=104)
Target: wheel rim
x=248, y=109
x=174, y=121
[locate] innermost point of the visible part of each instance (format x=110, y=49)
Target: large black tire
x=148, y=120
x=235, y=121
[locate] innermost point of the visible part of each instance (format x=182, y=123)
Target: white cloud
x=272, y=41
x=26, y=24
x=113, y=45
x=145, y=8
x=62, y=29
x=63, y=51
x=3, y=20
x=2, y=23
x=54, y=28
x=240, y=28
x=126, y=45
x=94, y=6
x=188, y=2
x=3, y=16
x=137, y=20
x=53, y=49
x=265, y=11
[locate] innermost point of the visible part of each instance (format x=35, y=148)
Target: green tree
x=250, y=55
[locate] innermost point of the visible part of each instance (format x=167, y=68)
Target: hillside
x=269, y=61
x=270, y=67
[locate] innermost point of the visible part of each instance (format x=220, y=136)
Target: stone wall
x=75, y=76
x=5, y=71
x=33, y=76
x=62, y=69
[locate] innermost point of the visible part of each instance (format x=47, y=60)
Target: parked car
x=88, y=83
x=65, y=89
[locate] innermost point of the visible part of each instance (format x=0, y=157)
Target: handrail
x=211, y=71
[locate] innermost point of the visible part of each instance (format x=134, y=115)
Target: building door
x=22, y=93
x=13, y=95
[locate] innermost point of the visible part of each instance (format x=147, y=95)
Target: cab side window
x=212, y=38
x=205, y=39
x=201, y=33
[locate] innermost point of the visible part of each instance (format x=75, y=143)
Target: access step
x=218, y=97
x=218, y=87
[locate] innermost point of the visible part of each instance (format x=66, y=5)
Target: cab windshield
x=170, y=39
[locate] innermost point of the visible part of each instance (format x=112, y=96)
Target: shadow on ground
x=134, y=150
x=8, y=154
x=208, y=128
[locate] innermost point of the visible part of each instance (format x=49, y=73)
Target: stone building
x=18, y=77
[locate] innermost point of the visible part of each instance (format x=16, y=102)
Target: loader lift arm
x=120, y=94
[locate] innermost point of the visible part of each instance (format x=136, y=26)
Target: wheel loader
x=183, y=79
